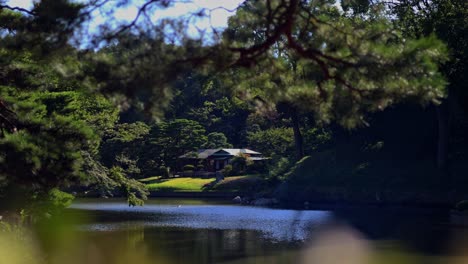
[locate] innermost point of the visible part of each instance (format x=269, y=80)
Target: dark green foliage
x=279, y=169
x=46, y=30
x=227, y=116
x=45, y=152
x=323, y=176
x=51, y=139
x=320, y=169
x=207, y=101
x=137, y=72
x=98, y=176
x=122, y=147
x=189, y=167
x=259, y=167
x=54, y=202
x=448, y=19
x=216, y=140
x=228, y=170
x=59, y=104
x=169, y=140
x=240, y=164
x=29, y=158
x=273, y=142
x=393, y=161
x=317, y=138
x=247, y=184
x=57, y=144
x=128, y=132
x=356, y=6
x=134, y=190
x=347, y=68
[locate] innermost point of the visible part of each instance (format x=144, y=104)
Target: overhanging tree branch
x=128, y=26
x=16, y=8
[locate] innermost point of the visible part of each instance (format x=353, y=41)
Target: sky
x=218, y=17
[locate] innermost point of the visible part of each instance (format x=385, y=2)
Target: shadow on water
x=425, y=231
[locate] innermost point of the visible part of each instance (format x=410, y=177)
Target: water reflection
x=194, y=231
x=274, y=224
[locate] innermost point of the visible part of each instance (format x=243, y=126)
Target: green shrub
x=240, y=163
x=58, y=200
x=227, y=170
x=51, y=203
x=200, y=167
x=246, y=183
x=280, y=168
x=189, y=167
x=257, y=168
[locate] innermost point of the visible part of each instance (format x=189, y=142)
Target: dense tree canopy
x=336, y=66
x=144, y=92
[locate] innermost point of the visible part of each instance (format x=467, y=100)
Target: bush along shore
x=341, y=176
x=297, y=190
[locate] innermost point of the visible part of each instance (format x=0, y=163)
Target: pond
x=210, y=231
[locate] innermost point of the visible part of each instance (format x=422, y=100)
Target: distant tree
x=317, y=139
x=273, y=142
x=225, y=115
x=448, y=19
x=216, y=140
x=293, y=113
x=174, y=138
x=348, y=66
x=122, y=147
x=345, y=66
x=239, y=164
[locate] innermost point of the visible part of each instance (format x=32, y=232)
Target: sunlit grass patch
x=188, y=184
x=180, y=184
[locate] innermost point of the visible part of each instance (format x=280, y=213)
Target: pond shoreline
x=211, y=194
x=312, y=205
x=377, y=206
x=249, y=199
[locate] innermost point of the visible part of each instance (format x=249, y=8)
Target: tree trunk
x=298, y=141
x=443, y=135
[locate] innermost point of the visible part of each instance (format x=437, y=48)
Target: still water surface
x=200, y=231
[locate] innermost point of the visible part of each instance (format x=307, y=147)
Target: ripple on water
x=274, y=224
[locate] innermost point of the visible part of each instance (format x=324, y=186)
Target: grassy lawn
x=183, y=184
x=188, y=184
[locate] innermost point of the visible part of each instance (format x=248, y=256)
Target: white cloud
x=20, y=3
x=218, y=16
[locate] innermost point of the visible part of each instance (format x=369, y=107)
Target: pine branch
x=16, y=8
